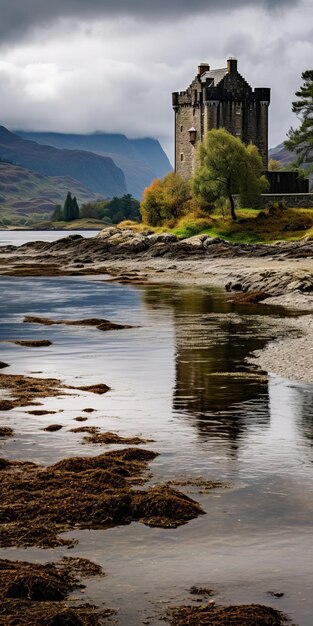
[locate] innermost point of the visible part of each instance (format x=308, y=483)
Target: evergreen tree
x=57, y=215
x=75, y=209
x=300, y=140
x=67, y=209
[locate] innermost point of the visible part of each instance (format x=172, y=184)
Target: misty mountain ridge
x=141, y=160
x=98, y=173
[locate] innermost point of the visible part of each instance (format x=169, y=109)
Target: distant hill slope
x=281, y=154
x=152, y=152
x=141, y=160
x=23, y=192
x=99, y=173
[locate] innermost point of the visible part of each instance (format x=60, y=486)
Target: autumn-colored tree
x=165, y=199
x=274, y=165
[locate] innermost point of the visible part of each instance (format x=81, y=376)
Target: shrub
x=165, y=200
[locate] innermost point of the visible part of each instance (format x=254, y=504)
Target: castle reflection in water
x=215, y=386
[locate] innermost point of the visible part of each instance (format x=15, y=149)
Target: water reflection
x=215, y=386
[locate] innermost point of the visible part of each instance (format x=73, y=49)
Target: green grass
x=252, y=226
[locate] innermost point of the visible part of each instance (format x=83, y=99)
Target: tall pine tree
x=75, y=209
x=67, y=209
x=57, y=215
x=300, y=140
x=70, y=209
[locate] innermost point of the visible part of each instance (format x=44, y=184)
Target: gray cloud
x=17, y=16
x=117, y=74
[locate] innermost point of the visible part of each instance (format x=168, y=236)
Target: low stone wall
x=299, y=200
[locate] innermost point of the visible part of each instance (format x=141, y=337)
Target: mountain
x=151, y=151
x=23, y=192
x=98, y=173
x=281, y=154
x=141, y=160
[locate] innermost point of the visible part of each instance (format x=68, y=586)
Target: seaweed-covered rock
x=241, y=615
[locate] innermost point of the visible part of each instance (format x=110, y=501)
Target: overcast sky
x=111, y=65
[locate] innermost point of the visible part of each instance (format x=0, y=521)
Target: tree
x=165, y=199
x=253, y=183
x=227, y=167
x=300, y=140
x=75, y=209
x=115, y=210
x=89, y=210
x=57, y=215
x=67, y=208
x=70, y=209
x=274, y=165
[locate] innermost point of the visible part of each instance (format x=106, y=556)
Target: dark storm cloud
x=17, y=16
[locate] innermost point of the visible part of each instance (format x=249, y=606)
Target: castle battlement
x=219, y=98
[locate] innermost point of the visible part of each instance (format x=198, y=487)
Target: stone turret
x=219, y=98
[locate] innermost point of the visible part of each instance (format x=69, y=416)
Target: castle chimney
x=232, y=65
x=202, y=68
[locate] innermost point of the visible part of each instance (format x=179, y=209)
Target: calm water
x=18, y=237
x=174, y=378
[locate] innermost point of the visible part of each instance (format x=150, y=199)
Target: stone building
x=219, y=98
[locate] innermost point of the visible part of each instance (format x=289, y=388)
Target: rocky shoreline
x=281, y=274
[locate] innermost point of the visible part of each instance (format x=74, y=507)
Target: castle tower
x=219, y=98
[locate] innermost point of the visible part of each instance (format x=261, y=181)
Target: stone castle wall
x=231, y=104
x=291, y=200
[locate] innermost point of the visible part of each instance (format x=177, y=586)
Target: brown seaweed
x=38, y=503
x=241, y=615
x=34, y=595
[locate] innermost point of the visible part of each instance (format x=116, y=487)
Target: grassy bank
x=252, y=226
x=267, y=226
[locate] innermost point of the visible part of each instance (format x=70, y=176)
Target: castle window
x=181, y=156
x=181, y=129
x=238, y=109
x=238, y=133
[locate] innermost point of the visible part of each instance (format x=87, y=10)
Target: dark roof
x=216, y=75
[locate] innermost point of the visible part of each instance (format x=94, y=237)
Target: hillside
x=141, y=160
x=98, y=173
x=281, y=154
x=23, y=192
